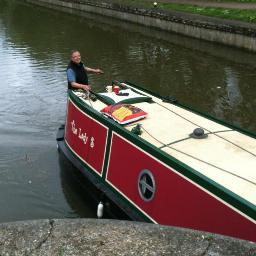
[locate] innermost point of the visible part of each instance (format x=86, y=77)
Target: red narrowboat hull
x=86, y=137
x=179, y=200
x=185, y=205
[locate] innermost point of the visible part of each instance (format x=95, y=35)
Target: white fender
x=100, y=209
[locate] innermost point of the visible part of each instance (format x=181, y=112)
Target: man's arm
x=92, y=70
x=85, y=87
x=72, y=79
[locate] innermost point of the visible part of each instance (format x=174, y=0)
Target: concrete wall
x=93, y=237
x=232, y=33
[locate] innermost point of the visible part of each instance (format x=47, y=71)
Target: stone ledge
x=200, y=21
x=112, y=237
x=226, y=32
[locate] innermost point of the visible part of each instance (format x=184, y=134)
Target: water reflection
x=81, y=195
x=74, y=189
x=232, y=87
x=35, y=43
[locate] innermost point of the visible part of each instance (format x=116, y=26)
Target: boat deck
x=225, y=156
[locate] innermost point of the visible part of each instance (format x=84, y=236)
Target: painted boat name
x=81, y=136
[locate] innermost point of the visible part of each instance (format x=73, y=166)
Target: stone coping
x=225, y=25
x=226, y=32
x=113, y=237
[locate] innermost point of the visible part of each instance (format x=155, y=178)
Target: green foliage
x=233, y=14
x=233, y=1
x=247, y=15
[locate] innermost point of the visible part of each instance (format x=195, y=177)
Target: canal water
x=35, y=43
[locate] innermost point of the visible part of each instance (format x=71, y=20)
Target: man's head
x=75, y=56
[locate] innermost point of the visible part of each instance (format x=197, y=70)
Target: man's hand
x=99, y=71
x=94, y=70
x=86, y=87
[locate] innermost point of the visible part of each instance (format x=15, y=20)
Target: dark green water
x=34, y=50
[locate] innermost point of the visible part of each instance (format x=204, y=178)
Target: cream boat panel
x=220, y=161
x=97, y=105
x=190, y=118
x=206, y=124
x=179, y=112
x=163, y=125
x=237, y=138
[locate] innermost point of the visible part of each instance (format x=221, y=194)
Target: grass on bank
x=246, y=15
x=232, y=14
x=230, y=1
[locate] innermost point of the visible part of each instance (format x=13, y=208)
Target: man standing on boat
x=77, y=72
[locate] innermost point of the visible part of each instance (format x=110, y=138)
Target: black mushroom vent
x=198, y=133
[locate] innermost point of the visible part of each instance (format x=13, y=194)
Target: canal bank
x=109, y=237
x=227, y=32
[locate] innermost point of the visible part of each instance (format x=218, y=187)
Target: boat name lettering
x=92, y=142
x=74, y=129
x=82, y=136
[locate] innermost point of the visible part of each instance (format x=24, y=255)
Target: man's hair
x=73, y=51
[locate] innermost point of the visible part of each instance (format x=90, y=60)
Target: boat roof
x=226, y=156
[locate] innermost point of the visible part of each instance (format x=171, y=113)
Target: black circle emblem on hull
x=146, y=185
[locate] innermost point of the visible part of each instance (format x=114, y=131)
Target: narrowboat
x=160, y=161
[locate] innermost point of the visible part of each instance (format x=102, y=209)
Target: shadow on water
x=75, y=190
x=81, y=195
